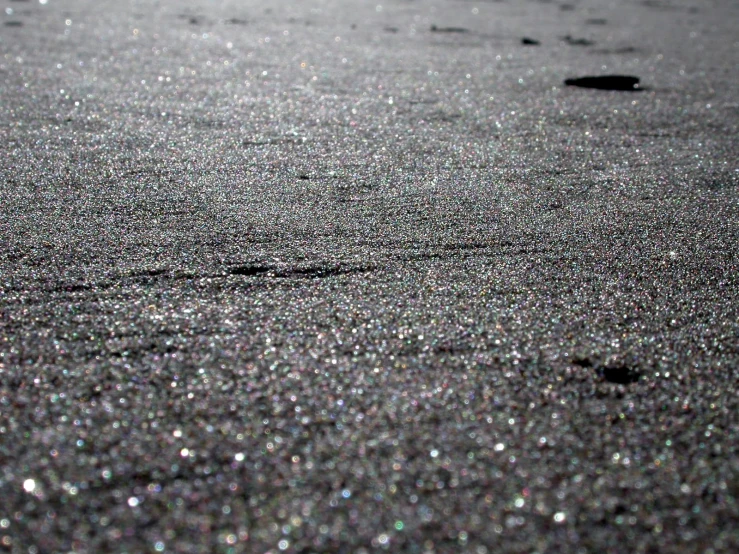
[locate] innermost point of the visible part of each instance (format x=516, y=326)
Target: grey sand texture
x=334, y=276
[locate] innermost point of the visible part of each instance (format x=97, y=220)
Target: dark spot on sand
x=606, y=82
x=596, y=21
x=304, y=177
x=435, y=29
x=620, y=375
x=572, y=41
x=582, y=361
x=321, y=271
x=567, y=7
x=530, y=41
x=73, y=287
x=390, y=29
x=443, y=475
x=14, y=24
x=191, y=19
x=249, y=270
x=153, y=272
x=236, y=21
x=620, y=50
x=160, y=348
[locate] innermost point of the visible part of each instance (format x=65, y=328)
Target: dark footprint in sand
x=606, y=82
x=435, y=29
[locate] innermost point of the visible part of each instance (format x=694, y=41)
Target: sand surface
x=363, y=276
